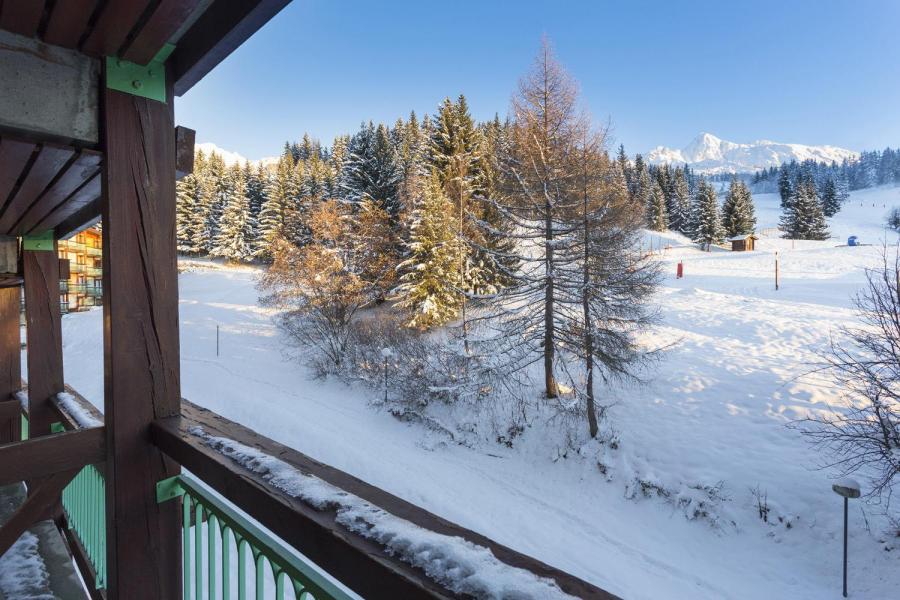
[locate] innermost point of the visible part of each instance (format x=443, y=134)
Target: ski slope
x=713, y=414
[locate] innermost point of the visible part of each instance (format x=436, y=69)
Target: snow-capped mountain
x=708, y=154
x=231, y=158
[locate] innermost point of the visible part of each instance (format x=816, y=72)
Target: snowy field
x=713, y=417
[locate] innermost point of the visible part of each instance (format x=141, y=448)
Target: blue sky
x=814, y=72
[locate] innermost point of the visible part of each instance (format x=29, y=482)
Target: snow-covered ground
x=715, y=412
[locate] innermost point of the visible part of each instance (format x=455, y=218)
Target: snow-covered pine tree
x=185, y=214
x=738, y=215
x=804, y=218
x=234, y=240
x=831, y=204
x=372, y=170
x=679, y=208
x=216, y=189
x=430, y=285
x=706, y=225
x=785, y=186
x=657, y=218
x=277, y=207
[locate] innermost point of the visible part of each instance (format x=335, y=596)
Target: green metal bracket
x=57, y=427
x=169, y=489
x=41, y=242
x=145, y=81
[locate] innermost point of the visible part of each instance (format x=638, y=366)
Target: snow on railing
x=455, y=563
x=67, y=403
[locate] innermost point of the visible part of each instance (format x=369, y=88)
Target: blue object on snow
x=852, y=241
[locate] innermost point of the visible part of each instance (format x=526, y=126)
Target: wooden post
x=10, y=364
x=776, y=271
x=141, y=361
x=43, y=336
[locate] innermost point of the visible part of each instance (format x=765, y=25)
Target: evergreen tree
x=278, y=209
x=831, y=203
x=785, y=186
x=679, y=207
x=429, y=287
x=185, y=211
x=234, y=240
x=657, y=218
x=706, y=226
x=372, y=170
x=804, y=218
x=738, y=216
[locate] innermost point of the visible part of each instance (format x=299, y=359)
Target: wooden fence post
x=141, y=370
x=10, y=363
x=43, y=336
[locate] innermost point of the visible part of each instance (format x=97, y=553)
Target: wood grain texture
x=116, y=21
x=10, y=343
x=184, y=151
x=10, y=421
x=43, y=333
x=78, y=173
x=85, y=201
x=141, y=354
x=166, y=19
x=50, y=161
x=41, y=504
x=68, y=21
x=44, y=456
x=360, y=564
x=14, y=157
x=22, y=16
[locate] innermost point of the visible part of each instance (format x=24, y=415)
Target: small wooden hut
x=743, y=243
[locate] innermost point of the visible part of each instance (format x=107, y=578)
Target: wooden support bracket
x=40, y=505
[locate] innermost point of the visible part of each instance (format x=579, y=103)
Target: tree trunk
x=552, y=389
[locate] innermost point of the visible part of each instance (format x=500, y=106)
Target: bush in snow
x=865, y=438
x=893, y=219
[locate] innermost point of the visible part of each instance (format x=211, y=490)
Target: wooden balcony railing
x=307, y=552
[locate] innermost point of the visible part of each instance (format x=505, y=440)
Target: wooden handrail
x=357, y=562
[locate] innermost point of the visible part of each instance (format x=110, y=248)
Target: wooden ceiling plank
x=112, y=28
x=22, y=16
x=47, y=165
x=217, y=33
x=68, y=22
x=166, y=19
x=85, y=167
x=82, y=198
x=14, y=157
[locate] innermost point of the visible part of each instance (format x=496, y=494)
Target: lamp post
x=848, y=488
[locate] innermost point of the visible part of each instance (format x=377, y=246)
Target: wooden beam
x=115, y=22
x=158, y=29
x=22, y=17
x=359, y=563
x=68, y=21
x=10, y=421
x=78, y=173
x=184, y=151
x=43, y=334
x=10, y=342
x=41, y=504
x=217, y=33
x=140, y=335
x=40, y=457
x=80, y=555
x=50, y=162
x=79, y=212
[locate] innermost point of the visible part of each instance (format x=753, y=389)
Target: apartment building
x=84, y=287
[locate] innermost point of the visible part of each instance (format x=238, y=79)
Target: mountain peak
x=707, y=153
